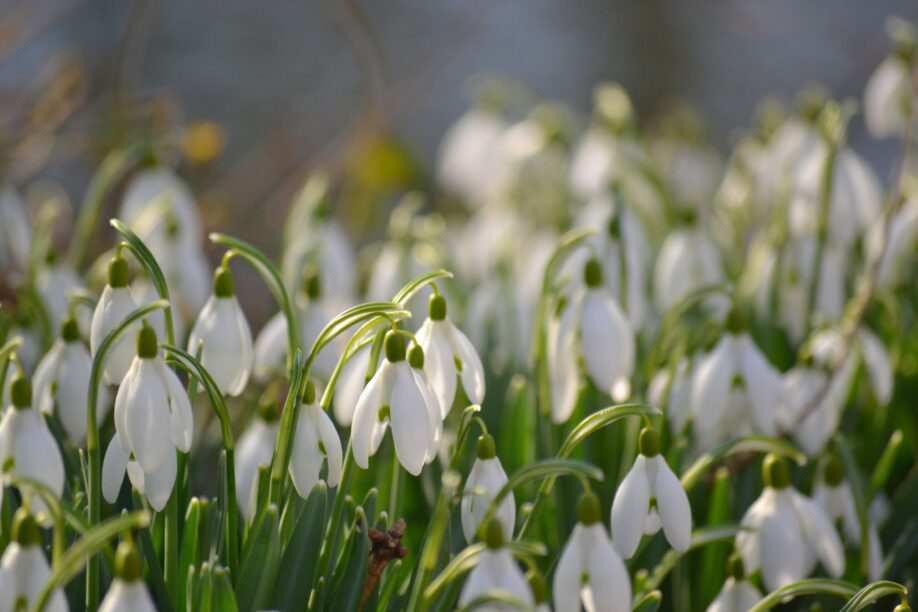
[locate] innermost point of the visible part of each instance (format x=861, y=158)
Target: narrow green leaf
x=191, y=537
x=818, y=586
x=412, y=287
x=300, y=560
x=259, y=562
x=603, y=418
x=649, y=602
x=700, y=539
x=743, y=444
x=224, y=599
x=349, y=584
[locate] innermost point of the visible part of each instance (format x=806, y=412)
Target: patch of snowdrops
x=657, y=378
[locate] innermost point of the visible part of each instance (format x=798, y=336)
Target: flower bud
x=649, y=442
x=224, y=286
x=735, y=567
x=735, y=323
x=775, y=472
x=395, y=346
x=834, y=472
x=309, y=393
x=486, y=449
x=25, y=529
x=416, y=357
x=592, y=273
x=147, y=345
x=436, y=307
x=21, y=392
x=589, y=511
x=128, y=566
x=492, y=532
x=313, y=285
x=117, y=273
x=70, y=331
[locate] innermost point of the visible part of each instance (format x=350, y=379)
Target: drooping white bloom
x=785, y=533
x=27, y=448
x=692, y=169
x=116, y=303
x=152, y=420
x=55, y=282
x=738, y=593
x=589, y=569
x=735, y=390
x=896, y=251
x=24, y=570
x=486, y=479
x=159, y=206
x=314, y=312
x=315, y=440
x=15, y=231
x=128, y=592
x=889, y=98
x=805, y=385
x=254, y=449
x=688, y=261
x=867, y=349
x=672, y=388
x=634, y=512
x=398, y=396
x=774, y=173
x=468, y=154
x=833, y=495
x=350, y=385
x=223, y=334
x=496, y=571
x=593, y=327
x=61, y=383
x=448, y=354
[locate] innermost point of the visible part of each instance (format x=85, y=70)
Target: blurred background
x=264, y=92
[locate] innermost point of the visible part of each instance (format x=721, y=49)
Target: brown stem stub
x=384, y=547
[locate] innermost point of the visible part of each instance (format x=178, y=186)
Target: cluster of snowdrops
x=664, y=350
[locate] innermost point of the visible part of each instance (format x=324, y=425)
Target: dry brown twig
x=385, y=546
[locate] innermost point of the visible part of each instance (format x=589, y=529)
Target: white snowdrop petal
x=37, y=454
x=333, y=453
x=410, y=421
x=630, y=508
x=764, y=386
x=350, y=385
x=227, y=350
x=610, y=584
x=821, y=535
x=673, y=506
x=270, y=348
x=433, y=412
x=159, y=482
x=562, y=360
x=113, y=467
x=45, y=378
x=472, y=374
x=146, y=411
x=73, y=385
x=305, y=457
x=181, y=419
x=127, y=597
x=439, y=363
x=711, y=391
x=366, y=419
x=879, y=368
x=567, y=583
x=606, y=340
x=783, y=546
x=255, y=448
x=749, y=540
x=113, y=306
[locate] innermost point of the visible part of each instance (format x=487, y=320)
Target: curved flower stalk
x=650, y=498
x=15, y=232
x=594, y=328
x=449, y=355
x=314, y=311
x=150, y=396
x=496, y=572
x=315, y=441
x=24, y=569
x=27, y=448
x=738, y=593
x=589, y=569
x=222, y=332
x=833, y=494
x=113, y=306
x=128, y=592
x=61, y=382
x=486, y=479
x=398, y=396
x=254, y=450
x=785, y=533
x=735, y=390
x=688, y=261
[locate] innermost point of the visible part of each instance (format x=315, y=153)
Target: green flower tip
x=486, y=449
x=834, y=472
x=735, y=567
x=592, y=273
x=313, y=285
x=903, y=607
x=416, y=357
x=309, y=393
x=128, y=566
x=436, y=307
x=117, y=273
x=735, y=323
x=395, y=346
x=21, y=392
x=70, y=331
x=613, y=226
x=589, y=511
x=649, y=442
x=147, y=345
x=223, y=283
x=267, y=410
x=537, y=584
x=25, y=529
x=492, y=532
x=776, y=472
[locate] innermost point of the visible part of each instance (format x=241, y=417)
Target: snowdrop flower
x=790, y=142
x=24, y=570
x=350, y=385
x=688, y=261
x=735, y=390
x=27, y=448
x=448, y=354
x=785, y=533
x=255, y=449
x=833, y=495
x=61, y=382
x=496, y=572
x=889, y=97
x=128, y=592
x=159, y=206
x=398, y=396
x=315, y=440
x=116, y=303
x=867, y=349
x=485, y=481
x=468, y=155
x=150, y=396
x=224, y=335
x=737, y=594
x=15, y=231
x=314, y=312
x=55, y=282
x=806, y=384
x=589, y=569
x=672, y=388
x=594, y=327
x=896, y=251
x=650, y=497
